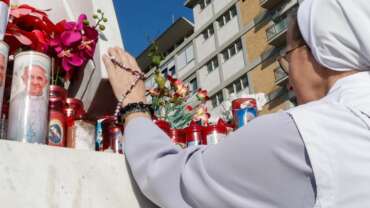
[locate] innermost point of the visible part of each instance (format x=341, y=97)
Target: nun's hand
x=120, y=79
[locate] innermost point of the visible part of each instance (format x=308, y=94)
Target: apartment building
x=230, y=50
x=265, y=25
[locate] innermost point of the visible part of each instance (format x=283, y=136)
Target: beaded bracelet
x=139, y=76
x=134, y=108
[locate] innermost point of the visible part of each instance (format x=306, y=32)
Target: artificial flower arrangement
x=171, y=98
x=45, y=56
x=70, y=44
x=173, y=102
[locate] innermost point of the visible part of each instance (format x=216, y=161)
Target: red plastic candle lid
x=238, y=103
x=57, y=91
x=56, y=103
x=6, y=2
x=106, y=119
x=77, y=106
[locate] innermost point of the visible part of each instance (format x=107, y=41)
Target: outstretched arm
x=261, y=165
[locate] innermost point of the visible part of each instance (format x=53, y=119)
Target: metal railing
x=276, y=29
x=273, y=2
x=280, y=75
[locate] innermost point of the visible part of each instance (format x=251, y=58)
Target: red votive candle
x=57, y=122
x=74, y=111
x=193, y=134
x=114, y=138
x=177, y=137
x=214, y=134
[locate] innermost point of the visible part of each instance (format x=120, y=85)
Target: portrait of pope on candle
x=29, y=106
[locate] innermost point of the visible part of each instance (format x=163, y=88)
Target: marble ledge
x=49, y=177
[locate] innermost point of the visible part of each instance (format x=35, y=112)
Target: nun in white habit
x=315, y=155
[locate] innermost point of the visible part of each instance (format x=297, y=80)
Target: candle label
x=214, y=138
x=28, y=112
x=99, y=135
x=193, y=143
x=245, y=115
x=56, y=129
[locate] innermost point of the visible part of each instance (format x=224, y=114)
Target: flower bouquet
x=173, y=102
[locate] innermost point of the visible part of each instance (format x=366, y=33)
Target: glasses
x=283, y=59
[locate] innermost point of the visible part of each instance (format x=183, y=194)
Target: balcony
x=276, y=33
x=283, y=8
x=280, y=76
x=269, y=4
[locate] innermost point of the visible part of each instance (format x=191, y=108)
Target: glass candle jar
x=214, y=134
x=178, y=137
x=114, y=137
x=57, y=122
x=28, y=113
x=78, y=136
x=58, y=91
x=244, y=110
x=193, y=135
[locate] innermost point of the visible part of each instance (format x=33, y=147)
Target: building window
x=227, y=16
x=172, y=71
x=239, y=45
x=217, y=99
x=169, y=71
x=193, y=87
x=207, y=33
x=245, y=81
x=185, y=57
x=165, y=72
x=204, y=3
x=212, y=65
x=238, y=85
x=232, y=50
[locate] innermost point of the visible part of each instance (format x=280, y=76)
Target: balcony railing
x=283, y=8
x=269, y=4
x=276, y=33
x=280, y=75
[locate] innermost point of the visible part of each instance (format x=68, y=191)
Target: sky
x=144, y=20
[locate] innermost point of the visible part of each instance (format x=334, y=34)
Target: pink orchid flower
x=88, y=43
x=65, y=43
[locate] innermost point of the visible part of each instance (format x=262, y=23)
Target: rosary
x=138, y=76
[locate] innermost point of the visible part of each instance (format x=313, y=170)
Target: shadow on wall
x=262, y=19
